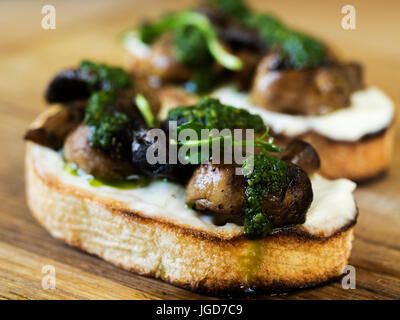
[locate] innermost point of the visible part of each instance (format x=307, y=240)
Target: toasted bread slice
x=150, y=231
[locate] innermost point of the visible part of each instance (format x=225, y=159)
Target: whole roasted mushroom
x=310, y=91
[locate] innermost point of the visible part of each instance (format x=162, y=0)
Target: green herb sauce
x=191, y=50
x=111, y=78
x=268, y=176
x=297, y=49
x=191, y=47
x=105, y=123
x=210, y=113
x=235, y=8
x=100, y=116
x=195, y=39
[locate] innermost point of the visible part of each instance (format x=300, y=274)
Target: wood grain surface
x=29, y=56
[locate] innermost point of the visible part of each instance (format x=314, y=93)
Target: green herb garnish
x=298, y=49
x=269, y=26
x=149, y=32
x=302, y=51
x=202, y=81
x=145, y=109
x=105, y=76
x=236, y=8
x=105, y=122
x=191, y=48
x=268, y=176
x=210, y=113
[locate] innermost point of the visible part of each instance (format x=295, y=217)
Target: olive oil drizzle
x=251, y=260
x=131, y=182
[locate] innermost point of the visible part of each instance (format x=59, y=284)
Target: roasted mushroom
x=143, y=140
x=289, y=207
x=301, y=154
x=79, y=150
x=52, y=127
x=88, y=77
x=69, y=85
x=311, y=91
x=162, y=62
x=216, y=188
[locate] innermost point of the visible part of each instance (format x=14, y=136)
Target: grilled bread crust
x=361, y=160
x=180, y=255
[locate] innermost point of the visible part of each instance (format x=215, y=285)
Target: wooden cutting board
x=29, y=56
